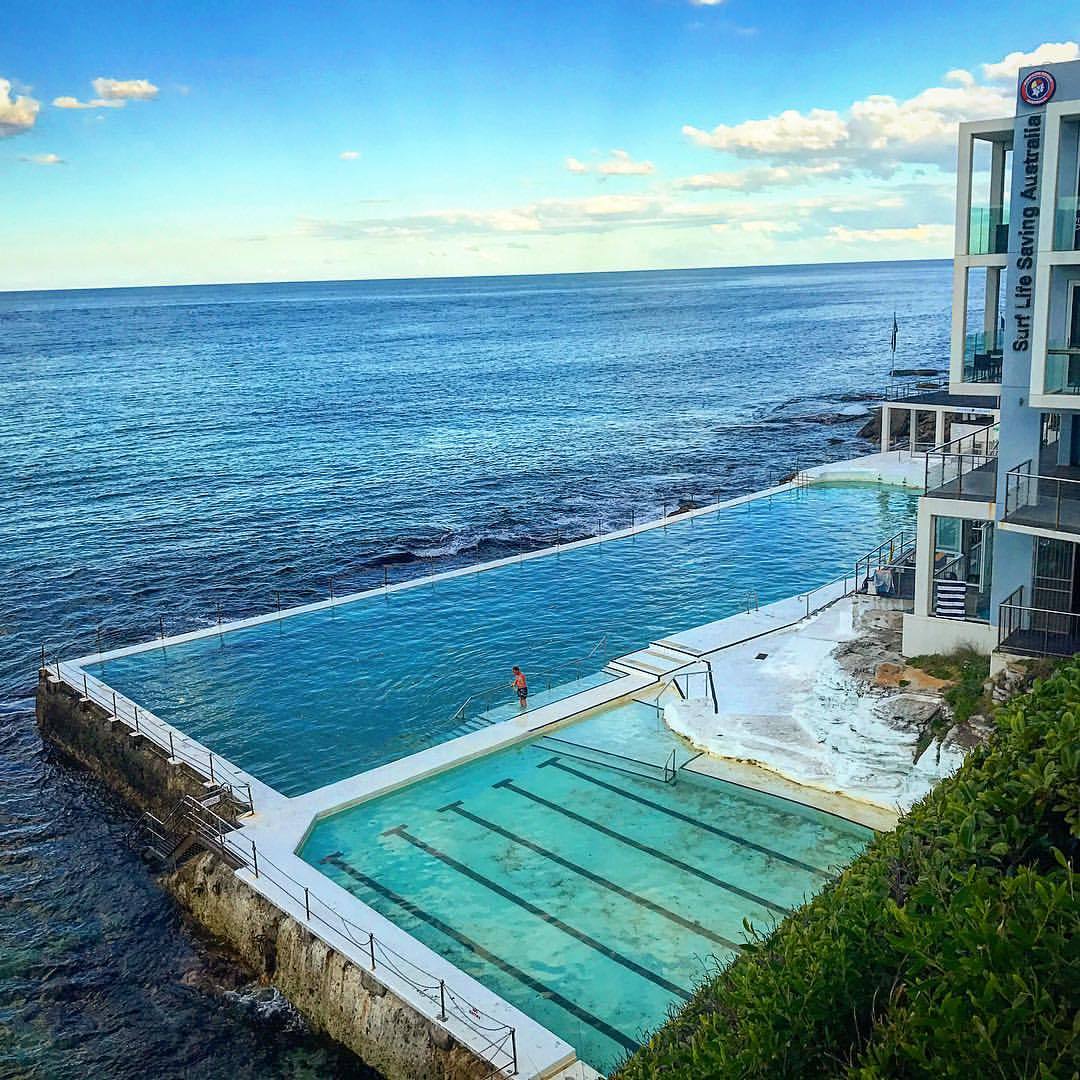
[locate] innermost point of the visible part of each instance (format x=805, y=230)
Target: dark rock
x=900, y=373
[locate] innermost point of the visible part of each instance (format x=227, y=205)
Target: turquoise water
x=307, y=700
x=590, y=898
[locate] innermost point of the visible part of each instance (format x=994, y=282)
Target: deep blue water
x=166, y=453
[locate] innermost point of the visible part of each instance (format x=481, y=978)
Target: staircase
x=189, y=823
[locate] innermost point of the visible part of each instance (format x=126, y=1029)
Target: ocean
x=172, y=455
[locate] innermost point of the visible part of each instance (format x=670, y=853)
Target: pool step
x=657, y=659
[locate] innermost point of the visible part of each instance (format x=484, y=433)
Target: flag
x=895, y=331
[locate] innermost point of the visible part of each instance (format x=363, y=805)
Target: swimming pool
x=590, y=897
x=306, y=700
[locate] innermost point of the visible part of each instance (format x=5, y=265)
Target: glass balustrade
x=989, y=230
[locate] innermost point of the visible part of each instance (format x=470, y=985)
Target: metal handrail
x=976, y=449
x=825, y=603
x=500, y=1047
x=945, y=447
x=160, y=736
x=1013, y=617
x=887, y=553
x=922, y=385
x=671, y=678
x=1022, y=473
x=460, y=714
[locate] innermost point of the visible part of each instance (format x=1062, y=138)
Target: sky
x=157, y=143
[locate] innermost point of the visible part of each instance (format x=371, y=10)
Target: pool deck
x=278, y=825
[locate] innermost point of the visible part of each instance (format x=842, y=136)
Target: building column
x=886, y=428
x=913, y=429
x=924, y=560
x=939, y=426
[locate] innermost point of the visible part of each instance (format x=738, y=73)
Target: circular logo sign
x=1038, y=87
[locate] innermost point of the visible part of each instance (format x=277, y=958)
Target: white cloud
x=757, y=178
x=349, y=155
x=622, y=164
x=554, y=217
x=44, y=159
x=961, y=76
x=789, y=133
x=74, y=103
x=619, y=164
x=755, y=227
x=879, y=132
x=18, y=113
x=911, y=234
x=111, y=94
x=706, y=3
x=1049, y=52
x=125, y=89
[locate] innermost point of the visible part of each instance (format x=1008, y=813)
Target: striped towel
x=950, y=599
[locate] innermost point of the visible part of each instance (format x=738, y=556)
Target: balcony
x=965, y=468
x=1050, y=500
x=1067, y=224
x=1062, y=369
x=989, y=230
x=1028, y=631
x=982, y=358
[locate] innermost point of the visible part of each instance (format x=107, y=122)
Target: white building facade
x=999, y=526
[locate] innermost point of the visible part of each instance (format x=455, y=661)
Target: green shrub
x=947, y=949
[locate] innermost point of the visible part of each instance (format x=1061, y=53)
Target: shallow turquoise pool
x=591, y=898
x=310, y=699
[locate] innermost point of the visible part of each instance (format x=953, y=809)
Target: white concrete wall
x=924, y=634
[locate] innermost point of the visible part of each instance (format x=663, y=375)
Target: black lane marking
x=644, y=901
x=656, y=853
x=484, y=954
x=532, y=909
x=555, y=763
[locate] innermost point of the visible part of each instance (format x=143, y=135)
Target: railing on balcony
x=903, y=391
x=1062, y=369
x=1030, y=631
x=964, y=468
x=989, y=233
x=982, y=357
x=1067, y=224
x=1042, y=502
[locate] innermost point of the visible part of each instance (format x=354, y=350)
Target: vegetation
x=948, y=949
x=967, y=670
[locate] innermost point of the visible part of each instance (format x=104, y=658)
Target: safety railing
x=1062, y=368
x=683, y=680
x=160, y=737
x=952, y=463
x=1050, y=502
x=497, y=1042
x=595, y=755
x=982, y=357
x=904, y=391
x=477, y=705
x=897, y=548
x=825, y=595
x=1037, y=631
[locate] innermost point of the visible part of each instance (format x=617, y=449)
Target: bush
x=947, y=949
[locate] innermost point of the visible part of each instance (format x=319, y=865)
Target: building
x=999, y=524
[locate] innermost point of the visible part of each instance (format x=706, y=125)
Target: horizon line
x=465, y=277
